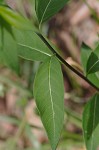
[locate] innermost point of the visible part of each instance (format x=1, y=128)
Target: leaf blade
x=30, y=46
x=85, y=53
x=51, y=103
x=91, y=123
x=92, y=64
x=15, y=19
x=48, y=8
x=8, y=51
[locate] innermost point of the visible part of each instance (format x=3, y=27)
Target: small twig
x=21, y=128
x=73, y=136
x=65, y=63
x=35, y=127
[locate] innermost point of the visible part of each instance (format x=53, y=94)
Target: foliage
x=49, y=95
x=46, y=9
x=20, y=39
x=91, y=123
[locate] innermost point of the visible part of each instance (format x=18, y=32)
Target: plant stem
x=73, y=136
x=73, y=114
x=21, y=128
x=65, y=63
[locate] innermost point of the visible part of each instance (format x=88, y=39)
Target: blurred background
x=20, y=124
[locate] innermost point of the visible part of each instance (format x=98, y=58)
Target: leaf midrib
x=44, y=12
x=34, y=49
x=50, y=89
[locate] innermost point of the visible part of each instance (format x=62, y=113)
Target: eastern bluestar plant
x=19, y=38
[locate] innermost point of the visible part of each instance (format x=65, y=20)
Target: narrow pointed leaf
x=97, y=51
x=91, y=123
x=92, y=64
x=47, y=8
x=85, y=54
x=30, y=46
x=49, y=96
x=8, y=51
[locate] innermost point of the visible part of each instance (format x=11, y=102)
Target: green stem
x=12, y=143
x=65, y=63
x=73, y=114
x=73, y=136
x=21, y=128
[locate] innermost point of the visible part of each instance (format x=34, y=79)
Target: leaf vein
x=34, y=49
x=51, y=97
x=44, y=13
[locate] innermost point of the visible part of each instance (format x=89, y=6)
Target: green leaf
x=2, y=2
x=85, y=54
x=8, y=50
x=15, y=19
x=91, y=123
x=49, y=96
x=6, y=25
x=30, y=46
x=92, y=64
x=47, y=8
x=94, y=78
x=96, y=51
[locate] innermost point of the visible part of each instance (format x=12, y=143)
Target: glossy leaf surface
x=49, y=96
